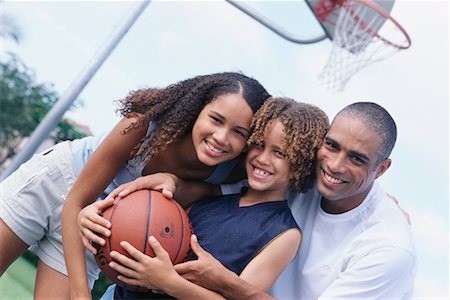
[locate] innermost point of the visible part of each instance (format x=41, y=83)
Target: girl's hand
x=163, y=182
x=143, y=270
x=92, y=225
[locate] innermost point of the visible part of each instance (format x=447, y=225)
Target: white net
x=357, y=42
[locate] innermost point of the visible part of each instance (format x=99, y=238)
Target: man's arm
x=234, y=287
x=208, y=272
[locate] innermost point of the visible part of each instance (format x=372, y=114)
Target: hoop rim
x=388, y=16
x=377, y=9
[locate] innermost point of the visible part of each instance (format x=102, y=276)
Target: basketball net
x=356, y=41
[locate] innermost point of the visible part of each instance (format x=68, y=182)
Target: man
x=356, y=241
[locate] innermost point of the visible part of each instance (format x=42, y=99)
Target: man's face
x=347, y=163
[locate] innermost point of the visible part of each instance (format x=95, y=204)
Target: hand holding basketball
x=133, y=219
x=92, y=225
x=164, y=182
x=143, y=270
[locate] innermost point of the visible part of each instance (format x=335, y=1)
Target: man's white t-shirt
x=365, y=253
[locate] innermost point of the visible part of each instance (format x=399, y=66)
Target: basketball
x=137, y=216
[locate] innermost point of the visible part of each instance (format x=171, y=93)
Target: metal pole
x=55, y=114
x=272, y=26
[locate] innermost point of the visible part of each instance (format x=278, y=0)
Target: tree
x=24, y=103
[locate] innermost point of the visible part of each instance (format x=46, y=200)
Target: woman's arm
x=99, y=171
x=93, y=227
x=238, y=173
x=185, y=192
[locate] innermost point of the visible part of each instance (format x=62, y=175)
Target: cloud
x=427, y=287
x=431, y=233
x=79, y=44
x=61, y=29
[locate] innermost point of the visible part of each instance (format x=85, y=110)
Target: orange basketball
x=137, y=216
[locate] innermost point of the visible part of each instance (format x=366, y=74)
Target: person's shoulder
x=292, y=195
x=296, y=199
x=216, y=200
x=394, y=262
x=385, y=224
x=384, y=206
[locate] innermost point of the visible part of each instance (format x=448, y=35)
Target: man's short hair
x=378, y=119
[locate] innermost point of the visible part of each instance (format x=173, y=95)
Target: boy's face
x=267, y=166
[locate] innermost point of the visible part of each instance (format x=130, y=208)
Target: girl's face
x=221, y=129
x=267, y=166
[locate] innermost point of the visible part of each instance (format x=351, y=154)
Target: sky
x=172, y=41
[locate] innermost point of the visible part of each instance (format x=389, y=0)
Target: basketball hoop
x=363, y=33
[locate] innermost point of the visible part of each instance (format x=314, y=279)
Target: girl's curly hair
x=305, y=126
x=175, y=109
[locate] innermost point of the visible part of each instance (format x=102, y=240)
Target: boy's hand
x=143, y=270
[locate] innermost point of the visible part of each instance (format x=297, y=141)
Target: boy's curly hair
x=175, y=109
x=305, y=126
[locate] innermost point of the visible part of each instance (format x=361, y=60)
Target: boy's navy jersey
x=235, y=235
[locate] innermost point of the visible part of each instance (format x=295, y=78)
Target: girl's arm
x=238, y=173
x=93, y=226
x=185, y=192
x=98, y=172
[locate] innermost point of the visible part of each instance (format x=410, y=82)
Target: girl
x=253, y=233
x=186, y=129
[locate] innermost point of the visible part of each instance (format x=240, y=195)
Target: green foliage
x=100, y=286
x=24, y=103
x=18, y=281
x=66, y=131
